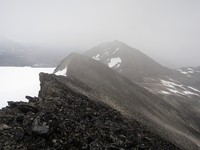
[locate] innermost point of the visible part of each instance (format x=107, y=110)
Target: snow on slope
x=96, y=57
x=193, y=89
x=17, y=82
x=189, y=71
x=109, y=54
x=114, y=61
x=178, y=88
x=62, y=72
x=117, y=56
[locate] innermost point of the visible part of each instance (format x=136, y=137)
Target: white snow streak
x=188, y=71
x=193, y=89
x=178, y=88
x=190, y=93
x=165, y=92
x=174, y=91
x=181, y=71
x=172, y=84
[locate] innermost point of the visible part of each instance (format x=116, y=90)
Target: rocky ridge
x=63, y=118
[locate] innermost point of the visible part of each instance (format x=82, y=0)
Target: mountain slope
x=128, y=61
x=64, y=119
x=179, y=88
x=139, y=68
x=106, y=85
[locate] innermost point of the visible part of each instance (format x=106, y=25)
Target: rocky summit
x=62, y=118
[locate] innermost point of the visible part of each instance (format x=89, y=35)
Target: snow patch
x=181, y=71
x=114, y=61
x=190, y=69
x=190, y=93
x=178, y=88
x=182, y=92
x=171, y=84
x=96, y=57
x=62, y=72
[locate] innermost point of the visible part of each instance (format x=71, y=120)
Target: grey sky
x=166, y=30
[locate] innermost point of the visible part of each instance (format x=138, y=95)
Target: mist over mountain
x=16, y=54
x=99, y=75
x=111, y=80
x=167, y=31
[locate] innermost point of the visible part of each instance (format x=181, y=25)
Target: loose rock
x=66, y=120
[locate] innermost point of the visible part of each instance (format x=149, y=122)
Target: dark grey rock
x=26, y=107
x=19, y=134
x=4, y=127
x=12, y=104
x=40, y=127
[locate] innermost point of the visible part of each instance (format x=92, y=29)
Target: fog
x=166, y=30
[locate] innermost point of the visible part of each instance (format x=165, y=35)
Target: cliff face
x=64, y=118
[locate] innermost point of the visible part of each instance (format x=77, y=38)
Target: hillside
x=106, y=85
x=62, y=118
x=180, y=88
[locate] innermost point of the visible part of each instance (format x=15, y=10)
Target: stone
x=40, y=127
x=26, y=107
x=12, y=104
x=31, y=99
x=19, y=134
x=4, y=127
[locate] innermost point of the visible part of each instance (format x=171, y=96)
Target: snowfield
x=17, y=82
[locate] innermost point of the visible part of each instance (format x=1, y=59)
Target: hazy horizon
x=167, y=31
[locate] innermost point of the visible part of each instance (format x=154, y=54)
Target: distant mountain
x=128, y=61
x=140, y=68
x=177, y=87
x=102, y=84
x=15, y=54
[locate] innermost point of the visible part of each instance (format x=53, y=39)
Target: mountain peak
x=127, y=60
x=112, y=44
